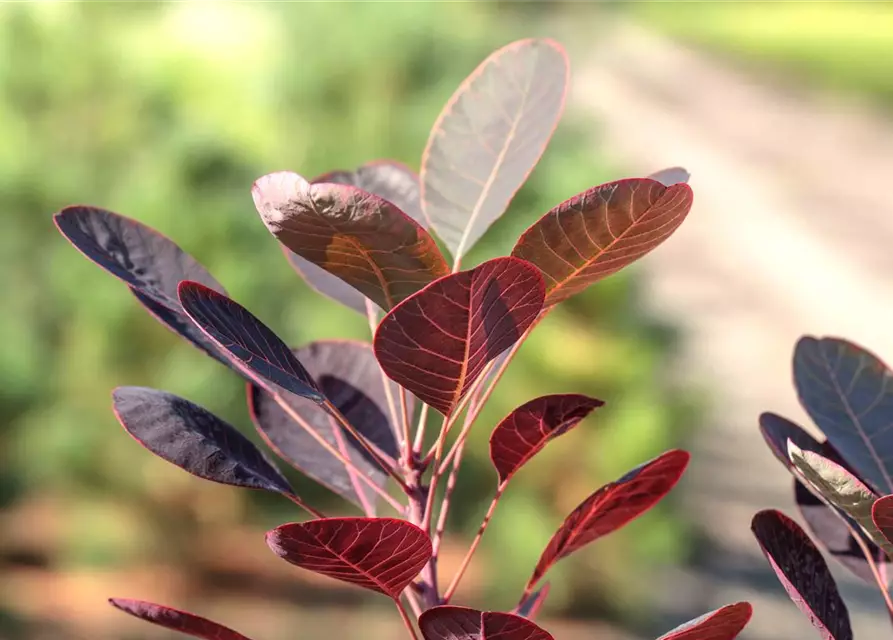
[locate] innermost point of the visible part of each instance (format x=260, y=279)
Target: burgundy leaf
x=528, y=428
x=882, y=515
x=531, y=605
x=250, y=341
x=598, y=232
x=355, y=235
x=833, y=528
x=613, y=506
x=349, y=376
x=194, y=439
x=489, y=137
x=670, y=176
x=393, y=181
x=449, y=622
x=326, y=284
x=381, y=554
x=437, y=342
x=723, y=624
x=777, y=430
x=803, y=573
x=176, y=620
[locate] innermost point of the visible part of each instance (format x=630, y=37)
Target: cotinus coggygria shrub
x=352, y=415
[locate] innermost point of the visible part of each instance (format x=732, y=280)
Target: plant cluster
x=353, y=416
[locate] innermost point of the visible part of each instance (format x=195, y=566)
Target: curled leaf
x=670, y=176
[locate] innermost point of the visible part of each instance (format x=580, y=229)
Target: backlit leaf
x=194, y=439
x=326, y=284
x=449, y=622
x=349, y=376
x=670, y=176
x=355, y=235
x=848, y=392
x=393, y=181
x=803, y=573
x=246, y=338
x=598, y=232
x=489, y=137
x=527, y=429
x=437, y=342
x=723, y=624
x=531, y=605
x=882, y=515
x=381, y=554
x=613, y=506
x=176, y=620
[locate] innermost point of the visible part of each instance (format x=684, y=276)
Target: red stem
x=406, y=620
x=306, y=507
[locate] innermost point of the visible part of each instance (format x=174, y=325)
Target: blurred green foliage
x=167, y=113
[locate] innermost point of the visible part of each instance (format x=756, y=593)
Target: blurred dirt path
x=791, y=233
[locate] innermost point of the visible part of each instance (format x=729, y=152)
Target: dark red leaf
x=803, y=573
x=833, y=528
x=777, y=430
x=246, y=338
x=882, y=515
x=489, y=137
x=613, y=506
x=436, y=342
x=176, y=620
x=349, y=376
x=326, y=284
x=531, y=605
x=381, y=554
x=355, y=235
x=723, y=624
x=848, y=392
x=194, y=439
x=449, y=622
x=598, y=232
x=670, y=176
x=393, y=181
x=528, y=428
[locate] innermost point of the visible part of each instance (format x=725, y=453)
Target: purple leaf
x=613, y=506
x=194, y=439
x=247, y=339
x=803, y=573
x=848, y=392
x=531, y=605
x=355, y=235
x=449, y=622
x=489, y=137
x=437, y=342
x=326, y=284
x=176, y=620
x=349, y=376
x=527, y=429
x=600, y=231
x=723, y=624
x=381, y=554
x=777, y=430
x=882, y=515
x=393, y=181
x=670, y=176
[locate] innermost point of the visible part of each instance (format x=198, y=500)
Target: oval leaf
x=176, y=620
x=349, y=376
x=355, y=235
x=723, y=624
x=670, y=176
x=834, y=530
x=448, y=622
x=803, y=573
x=381, y=554
x=613, y=506
x=848, y=392
x=489, y=137
x=531, y=605
x=776, y=431
x=600, y=231
x=247, y=339
x=527, y=429
x=194, y=439
x=327, y=284
x=437, y=342
x=882, y=516
x=393, y=181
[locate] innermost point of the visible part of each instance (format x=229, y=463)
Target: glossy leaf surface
x=349, y=376
x=848, y=392
x=489, y=137
x=598, y=232
x=527, y=429
x=613, y=506
x=381, y=554
x=355, y=235
x=194, y=439
x=670, y=176
x=437, y=342
x=449, y=622
x=882, y=516
x=176, y=620
x=803, y=573
x=723, y=624
x=246, y=338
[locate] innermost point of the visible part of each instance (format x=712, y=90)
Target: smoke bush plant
x=352, y=415
x=842, y=484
